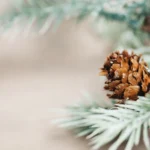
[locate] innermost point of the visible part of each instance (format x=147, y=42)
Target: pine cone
x=127, y=75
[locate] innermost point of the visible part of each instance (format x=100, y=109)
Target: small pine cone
x=127, y=75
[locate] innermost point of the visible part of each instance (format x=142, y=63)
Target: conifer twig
x=129, y=11
x=125, y=122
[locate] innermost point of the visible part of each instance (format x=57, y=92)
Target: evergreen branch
x=131, y=12
x=123, y=123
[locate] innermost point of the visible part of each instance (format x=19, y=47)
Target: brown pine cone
x=127, y=75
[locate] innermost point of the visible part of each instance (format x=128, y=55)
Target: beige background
x=43, y=72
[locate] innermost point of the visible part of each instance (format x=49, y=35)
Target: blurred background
x=43, y=72
x=52, y=70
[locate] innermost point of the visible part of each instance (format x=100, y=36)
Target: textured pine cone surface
x=127, y=75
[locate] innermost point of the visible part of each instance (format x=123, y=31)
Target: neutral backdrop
x=43, y=72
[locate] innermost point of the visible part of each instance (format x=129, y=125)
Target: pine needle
x=102, y=126
x=128, y=11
